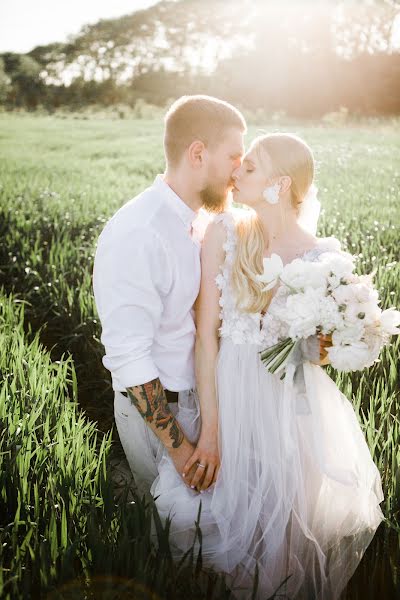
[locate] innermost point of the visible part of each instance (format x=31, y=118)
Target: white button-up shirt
x=146, y=278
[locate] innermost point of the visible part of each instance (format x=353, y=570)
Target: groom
x=146, y=279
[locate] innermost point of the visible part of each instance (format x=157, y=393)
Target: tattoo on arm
x=152, y=405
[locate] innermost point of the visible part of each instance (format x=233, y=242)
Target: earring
x=271, y=193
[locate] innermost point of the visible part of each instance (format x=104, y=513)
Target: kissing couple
x=284, y=476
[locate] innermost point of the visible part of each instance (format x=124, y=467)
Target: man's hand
x=205, y=461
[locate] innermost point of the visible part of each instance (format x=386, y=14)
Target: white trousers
x=140, y=443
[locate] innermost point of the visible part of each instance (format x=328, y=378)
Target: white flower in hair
x=271, y=193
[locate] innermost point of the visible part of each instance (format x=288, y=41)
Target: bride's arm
x=207, y=343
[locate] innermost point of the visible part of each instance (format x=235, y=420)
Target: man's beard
x=213, y=199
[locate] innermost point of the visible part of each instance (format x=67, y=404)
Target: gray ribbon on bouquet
x=305, y=350
x=295, y=391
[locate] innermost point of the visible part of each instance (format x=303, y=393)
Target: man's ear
x=196, y=153
x=285, y=183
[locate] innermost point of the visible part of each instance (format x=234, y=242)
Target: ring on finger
x=200, y=465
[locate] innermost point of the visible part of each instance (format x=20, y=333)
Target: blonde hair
x=289, y=155
x=197, y=117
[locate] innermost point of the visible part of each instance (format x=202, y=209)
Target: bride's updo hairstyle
x=289, y=155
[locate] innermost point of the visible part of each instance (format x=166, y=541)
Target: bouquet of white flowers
x=326, y=297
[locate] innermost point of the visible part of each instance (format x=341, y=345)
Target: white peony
x=300, y=275
x=303, y=313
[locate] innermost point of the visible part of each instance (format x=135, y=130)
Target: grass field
x=60, y=180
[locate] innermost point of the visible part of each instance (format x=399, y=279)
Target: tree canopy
x=297, y=56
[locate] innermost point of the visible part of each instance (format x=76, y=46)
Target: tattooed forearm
x=151, y=403
x=176, y=434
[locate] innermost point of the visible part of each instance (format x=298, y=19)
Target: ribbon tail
x=289, y=395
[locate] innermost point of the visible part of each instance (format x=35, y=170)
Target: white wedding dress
x=297, y=492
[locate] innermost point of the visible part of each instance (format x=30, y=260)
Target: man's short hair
x=197, y=117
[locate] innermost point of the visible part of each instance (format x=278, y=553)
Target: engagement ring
x=200, y=465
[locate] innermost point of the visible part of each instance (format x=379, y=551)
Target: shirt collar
x=184, y=212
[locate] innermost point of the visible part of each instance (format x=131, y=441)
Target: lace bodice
x=240, y=326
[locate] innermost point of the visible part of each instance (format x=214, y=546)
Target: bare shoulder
x=223, y=226
x=214, y=236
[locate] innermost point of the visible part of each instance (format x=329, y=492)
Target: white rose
x=342, y=294
x=355, y=293
x=353, y=357
x=390, y=321
x=340, y=265
x=351, y=333
x=364, y=293
x=330, y=317
x=334, y=281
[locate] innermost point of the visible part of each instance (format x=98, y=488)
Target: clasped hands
x=199, y=465
x=201, y=470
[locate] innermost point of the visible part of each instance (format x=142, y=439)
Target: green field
x=60, y=180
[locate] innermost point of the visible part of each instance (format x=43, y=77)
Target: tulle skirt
x=297, y=493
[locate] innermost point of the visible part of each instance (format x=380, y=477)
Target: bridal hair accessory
x=271, y=193
x=309, y=211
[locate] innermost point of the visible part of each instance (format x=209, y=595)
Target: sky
x=25, y=24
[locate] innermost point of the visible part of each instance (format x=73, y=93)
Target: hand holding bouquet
x=326, y=298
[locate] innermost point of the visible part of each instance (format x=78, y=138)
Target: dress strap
x=223, y=278
x=228, y=220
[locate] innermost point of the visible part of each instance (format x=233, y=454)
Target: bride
x=284, y=476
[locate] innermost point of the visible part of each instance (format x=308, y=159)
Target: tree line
x=298, y=57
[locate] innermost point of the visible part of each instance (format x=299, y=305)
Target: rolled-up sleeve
x=131, y=275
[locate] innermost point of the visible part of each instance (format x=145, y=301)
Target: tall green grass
x=61, y=533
